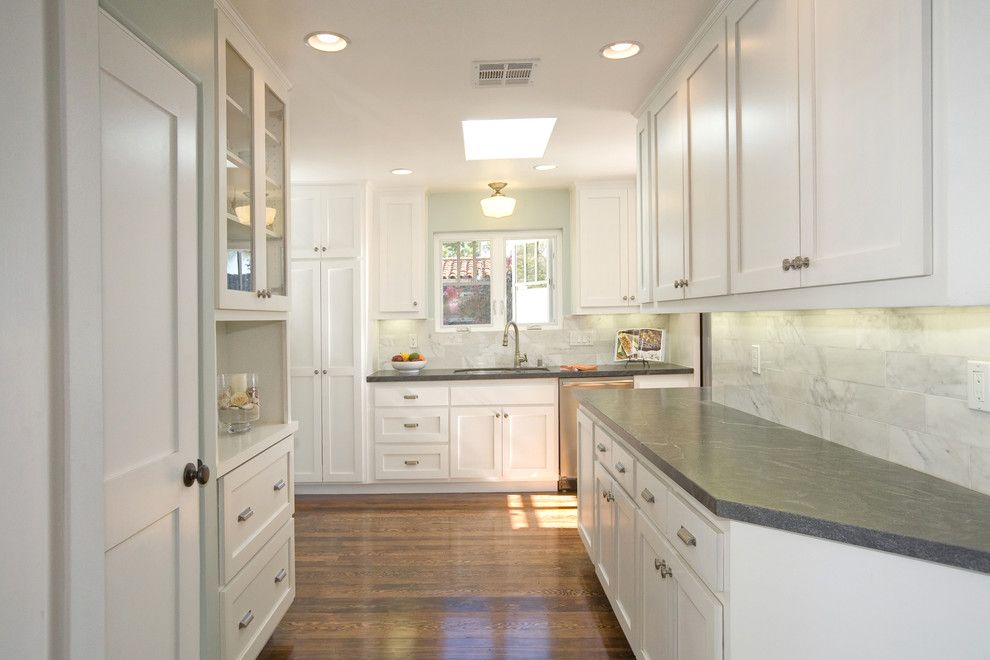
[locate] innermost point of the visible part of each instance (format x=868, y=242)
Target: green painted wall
x=535, y=209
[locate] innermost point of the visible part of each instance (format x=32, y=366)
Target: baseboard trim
x=446, y=487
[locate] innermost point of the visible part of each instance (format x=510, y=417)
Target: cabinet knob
x=506, y=415
x=498, y=414
x=324, y=371
x=805, y=262
x=609, y=497
x=632, y=297
x=261, y=293
x=316, y=372
x=415, y=304
x=625, y=297
x=324, y=248
x=620, y=467
x=600, y=447
x=684, y=282
x=316, y=249
x=657, y=563
x=786, y=265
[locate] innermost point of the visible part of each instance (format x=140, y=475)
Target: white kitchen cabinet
x=327, y=379
x=586, y=482
x=866, y=94
x=327, y=220
x=764, y=144
x=654, y=636
x=626, y=575
x=475, y=443
x=253, y=211
x=605, y=560
x=644, y=210
x=400, y=218
x=605, y=270
x=529, y=443
x=667, y=178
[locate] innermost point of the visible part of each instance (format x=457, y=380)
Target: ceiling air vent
x=510, y=73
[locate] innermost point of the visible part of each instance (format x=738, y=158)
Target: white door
x=475, y=443
x=402, y=254
x=308, y=219
x=306, y=371
x=150, y=372
x=644, y=210
x=529, y=443
x=341, y=311
x=764, y=137
x=870, y=110
x=586, y=482
x=669, y=190
x=706, y=248
x=697, y=631
x=603, y=245
x=605, y=528
x=625, y=561
x=653, y=639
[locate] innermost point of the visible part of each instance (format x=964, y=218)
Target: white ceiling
x=396, y=96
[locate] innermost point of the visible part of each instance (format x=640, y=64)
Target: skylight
x=494, y=139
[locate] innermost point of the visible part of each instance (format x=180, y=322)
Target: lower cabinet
x=605, y=542
x=475, y=443
x=586, y=482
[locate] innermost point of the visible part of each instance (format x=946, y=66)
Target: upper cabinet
x=253, y=227
x=644, y=211
x=327, y=220
x=400, y=220
x=791, y=148
x=605, y=271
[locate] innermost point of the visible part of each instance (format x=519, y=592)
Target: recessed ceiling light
x=620, y=50
x=402, y=171
x=544, y=167
x=493, y=139
x=329, y=42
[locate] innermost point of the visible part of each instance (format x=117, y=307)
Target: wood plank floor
x=444, y=576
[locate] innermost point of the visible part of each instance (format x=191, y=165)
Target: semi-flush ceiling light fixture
x=496, y=139
x=620, y=50
x=328, y=42
x=498, y=205
x=402, y=171
x=544, y=167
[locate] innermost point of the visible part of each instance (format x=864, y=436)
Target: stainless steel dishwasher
x=568, y=440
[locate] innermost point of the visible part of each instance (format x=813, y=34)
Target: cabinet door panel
x=586, y=482
x=308, y=212
x=698, y=619
x=707, y=220
x=644, y=211
x=529, y=443
x=764, y=155
x=668, y=181
x=603, y=239
x=625, y=560
x=475, y=443
x=605, y=563
x=653, y=639
x=871, y=113
x=343, y=453
x=307, y=409
x=344, y=214
x=402, y=254
x=306, y=379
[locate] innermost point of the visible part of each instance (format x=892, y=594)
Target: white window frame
x=499, y=314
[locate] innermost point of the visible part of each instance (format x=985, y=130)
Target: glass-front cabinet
x=252, y=269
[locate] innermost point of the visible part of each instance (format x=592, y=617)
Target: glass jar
x=238, y=402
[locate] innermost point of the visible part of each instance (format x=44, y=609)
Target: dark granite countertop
x=745, y=468
x=604, y=371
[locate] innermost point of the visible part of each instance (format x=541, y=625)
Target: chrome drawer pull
x=281, y=575
x=246, y=621
x=411, y=426
x=686, y=536
x=245, y=514
x=648, y=496
x=609, y=497
x=601, y=447
x=279, y=485
x=412, y=462
x=410, y=397
x=620, y=467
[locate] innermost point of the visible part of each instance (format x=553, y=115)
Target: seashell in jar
x=238, y=399
x=248, y=406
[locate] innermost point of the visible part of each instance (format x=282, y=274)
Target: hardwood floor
x=444, y=576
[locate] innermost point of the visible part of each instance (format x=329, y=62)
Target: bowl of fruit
x=408, y=362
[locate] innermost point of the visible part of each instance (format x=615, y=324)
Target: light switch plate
x=754, y=358
x=582, y=338
x=978, y=384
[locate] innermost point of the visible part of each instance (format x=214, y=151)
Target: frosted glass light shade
x=244, y=215
x=498, y=205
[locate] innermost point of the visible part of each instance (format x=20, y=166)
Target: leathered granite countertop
x=603, y=371
x=745, y=468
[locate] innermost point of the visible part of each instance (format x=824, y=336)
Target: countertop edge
x=908, y=546
x=609, y=372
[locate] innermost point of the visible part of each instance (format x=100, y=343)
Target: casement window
x=483, y=280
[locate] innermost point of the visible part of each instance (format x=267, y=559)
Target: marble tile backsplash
x=886, y=382
x=453, y=350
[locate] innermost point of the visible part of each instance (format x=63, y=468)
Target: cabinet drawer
x=622, y=466
x=603, y=446
x=410, y=395
x=255, y=601
x=696, y=540
x=651, y=496
x=256, y=499
x=542, y=392
x=411, y=425
x=412, y=461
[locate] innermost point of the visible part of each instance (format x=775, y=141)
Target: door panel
x=529, y=443
x=668, y=148
x=345, y=208
x=150, y=374
x=308, y=213
x=475, y=443
x=605, y=529
x=306, y=367
x=402, y=262
x=654, y=631
x=644, y=210
x=586, y=482
x=604, y=244
x=625, y=559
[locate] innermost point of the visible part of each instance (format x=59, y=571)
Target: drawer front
x=622, y=466
x=256, y=500
x=651, y=496
x=506, y=393
x=411, y=395
x=412, y=461
x=603, y=446
x=412, y=425
x=255, y=601
x=696, y=540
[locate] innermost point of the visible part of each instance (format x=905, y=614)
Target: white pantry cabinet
x=253, y=212
x=327, y=377
x=327, y=220
x=400, y=220
x=606, y=275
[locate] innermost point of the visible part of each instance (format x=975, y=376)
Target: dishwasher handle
x=617, y=384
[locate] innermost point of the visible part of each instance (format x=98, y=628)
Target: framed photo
x=641, y=344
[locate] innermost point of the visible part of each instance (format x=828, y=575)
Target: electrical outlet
x=978, y=384
x=582, y=338
x=413, y=341
x=754, y=358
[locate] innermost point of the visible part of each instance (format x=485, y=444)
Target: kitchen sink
x=481, y=371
